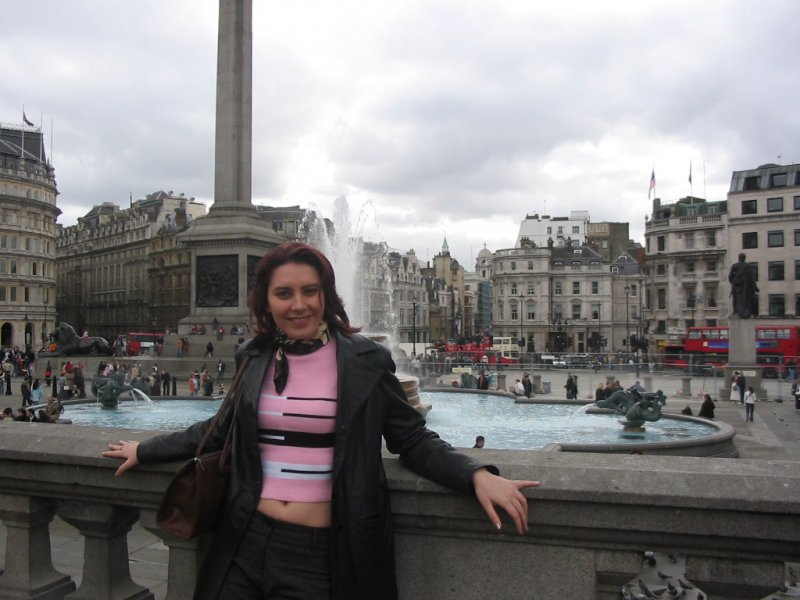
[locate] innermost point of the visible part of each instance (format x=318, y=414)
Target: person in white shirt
x=750, y=400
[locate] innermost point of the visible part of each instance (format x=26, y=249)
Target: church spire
x=445, y=247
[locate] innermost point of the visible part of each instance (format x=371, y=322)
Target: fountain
x=637, y=408
x=344, y=247
x=107, y=390
x=461, y=415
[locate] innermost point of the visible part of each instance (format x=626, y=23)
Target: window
x=711, y=266
x=778, y=180
x=530, y=265
x=513, y=265
x=2, y=294
x=531, y=312
x=661, y=243
x=777, y=305
x=688, y=241
x=749, y=207
x=690, y=267
x=595, y=287
x=26, y=294
x=711, y=239
x=13, y=297
x=576, y=229
x=797, y=202
x=711, y=297
x=661, y=269
x=576, y=287
x=560, y=229
x=775, y=270
x=514, y=313
x=774, y=204
x=797, y=273
x=750, y=239
x=576, y=265
x=549, y=230
x=775, y=239
x=661, y=298
x=576, y=311
x=797, y=237
x=13, y=270
x=557, y=288
x=513, y=289
x=596, y=311
x=751, y=183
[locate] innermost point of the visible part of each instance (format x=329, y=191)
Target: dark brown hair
x=297, y=252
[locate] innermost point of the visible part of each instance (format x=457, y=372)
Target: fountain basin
x=460, y=416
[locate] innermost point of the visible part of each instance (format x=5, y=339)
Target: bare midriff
x=310, y=514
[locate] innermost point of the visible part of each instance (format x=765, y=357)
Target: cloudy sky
x=434, y=117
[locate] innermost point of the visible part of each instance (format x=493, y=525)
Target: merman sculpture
x=109, y=389
x=636, y=407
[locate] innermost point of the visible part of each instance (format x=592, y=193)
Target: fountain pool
x=458, y=417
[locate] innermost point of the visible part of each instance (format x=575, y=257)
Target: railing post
x=106, y=573
x=29, y=571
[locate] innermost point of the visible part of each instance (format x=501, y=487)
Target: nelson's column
x=227, y=244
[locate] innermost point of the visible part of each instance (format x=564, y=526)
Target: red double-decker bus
x=777, y=347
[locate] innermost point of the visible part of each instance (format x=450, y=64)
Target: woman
x=749, y=404
x=36, y=392
x=707, y=408
x=324, y=533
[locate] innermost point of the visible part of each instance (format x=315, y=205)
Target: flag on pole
x=690, y=172
x=25, y=119
x=652, y=187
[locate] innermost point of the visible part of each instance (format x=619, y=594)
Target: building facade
x=687, y=257
x=764, y=224
x=105, y=265
x=28, y=214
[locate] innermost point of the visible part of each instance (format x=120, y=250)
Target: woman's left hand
x=492, y=490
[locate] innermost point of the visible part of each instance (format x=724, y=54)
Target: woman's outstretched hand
x=125, y=450
x=492, y=490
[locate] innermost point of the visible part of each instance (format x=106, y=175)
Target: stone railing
x=735, y=523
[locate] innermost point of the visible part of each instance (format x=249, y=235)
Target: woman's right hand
x=125, y=450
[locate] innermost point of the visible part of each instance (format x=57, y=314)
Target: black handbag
x=191, y=503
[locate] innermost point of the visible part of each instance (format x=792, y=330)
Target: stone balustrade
x=736, y=523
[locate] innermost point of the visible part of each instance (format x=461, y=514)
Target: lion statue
x=69, y=343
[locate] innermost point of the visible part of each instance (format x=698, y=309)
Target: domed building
x=28, y=216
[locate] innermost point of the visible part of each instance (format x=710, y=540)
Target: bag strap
x=234, y=395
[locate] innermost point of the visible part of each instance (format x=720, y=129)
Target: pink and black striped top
x=296, y=428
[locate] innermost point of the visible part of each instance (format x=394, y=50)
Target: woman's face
x=295, y=299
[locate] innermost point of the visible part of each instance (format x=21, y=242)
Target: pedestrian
x=527, y=385
x=707, y=408
x=326, y=532
x=480, y=442
x=220, y=370
x=25, y=389
x=750, y=400
x=210, y=350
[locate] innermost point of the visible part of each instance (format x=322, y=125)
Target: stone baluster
x=183, y=559
x=106, y=573
x=29, y=571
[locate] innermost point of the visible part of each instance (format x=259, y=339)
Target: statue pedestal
x=742, y=354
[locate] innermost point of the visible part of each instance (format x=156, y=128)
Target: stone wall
x=736, y=522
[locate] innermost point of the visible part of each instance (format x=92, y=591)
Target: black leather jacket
x=372, y=405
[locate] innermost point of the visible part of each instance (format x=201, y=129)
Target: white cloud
x=448, y=118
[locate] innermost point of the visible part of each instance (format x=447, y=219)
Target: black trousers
x=280, y=561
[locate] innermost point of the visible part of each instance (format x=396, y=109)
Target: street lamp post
x=627, y=320
x=414, y=328
x=521, y=330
